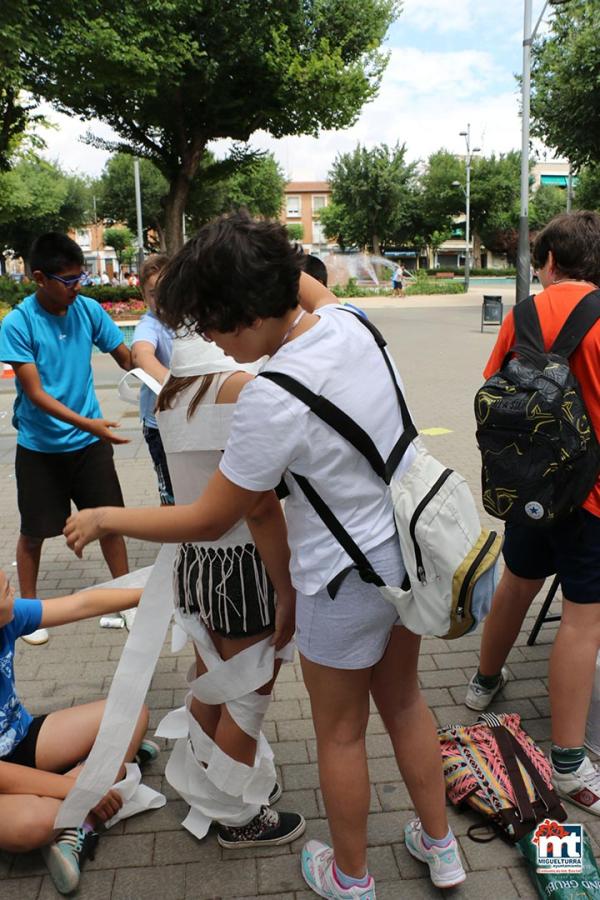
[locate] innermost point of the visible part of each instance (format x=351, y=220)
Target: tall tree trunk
x=476, y=250
x=162, y=242
x=376, y=245
x=177, y=197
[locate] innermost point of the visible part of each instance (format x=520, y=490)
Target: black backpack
x=539, y=452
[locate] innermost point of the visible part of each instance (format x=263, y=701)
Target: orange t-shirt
x=553, y=306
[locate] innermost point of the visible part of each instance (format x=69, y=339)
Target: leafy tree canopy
x=257, y=185
x=372, y=197
x=37, y=196
x=587, y=188
x=548, y=201
x=565, y=102
x=170, y=77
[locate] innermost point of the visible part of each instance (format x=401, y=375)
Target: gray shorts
x=352, y=631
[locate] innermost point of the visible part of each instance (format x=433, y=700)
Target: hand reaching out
x=101, y=428
x=82, y=528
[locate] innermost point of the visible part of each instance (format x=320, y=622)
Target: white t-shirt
x=272, y=431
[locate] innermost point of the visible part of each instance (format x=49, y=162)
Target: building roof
x=307, y=187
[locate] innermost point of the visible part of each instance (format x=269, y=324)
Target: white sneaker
x=581, y=787
x=479, y=697
x=36, y=637
x=445, y=867
x=317, y=871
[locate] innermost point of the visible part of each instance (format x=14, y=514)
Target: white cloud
x=439, y=15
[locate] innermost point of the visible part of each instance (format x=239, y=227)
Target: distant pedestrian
x=151, y=351
x=64, y=450
x=104, y=279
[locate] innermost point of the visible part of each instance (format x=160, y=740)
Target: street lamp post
x=467, y=192
x=523, y=255
x=138, y=212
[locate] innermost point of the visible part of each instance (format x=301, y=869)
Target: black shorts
x=47, y=482
x=24, y=753
x=226, y=587
x=569, y=549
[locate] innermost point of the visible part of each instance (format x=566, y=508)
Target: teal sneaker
x=318, y=872
x=147, y=752
x=65, y=857
x=445, y=867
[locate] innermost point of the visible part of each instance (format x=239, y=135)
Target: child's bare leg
x=67, y=736
x=26, y=821
x=228, y=736
x=114, y=552
x=29, y=551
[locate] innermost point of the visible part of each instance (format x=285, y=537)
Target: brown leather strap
x=507, y=752
x=511, y=751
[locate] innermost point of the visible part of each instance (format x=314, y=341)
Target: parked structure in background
x=302, y=203
x=98, y=257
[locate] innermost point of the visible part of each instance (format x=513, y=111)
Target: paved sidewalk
x=440, y=352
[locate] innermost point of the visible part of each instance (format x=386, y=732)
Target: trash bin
x=492, y=311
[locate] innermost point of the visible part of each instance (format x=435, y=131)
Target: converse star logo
x=585, y=797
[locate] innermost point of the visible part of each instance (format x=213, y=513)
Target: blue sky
x=452, y=62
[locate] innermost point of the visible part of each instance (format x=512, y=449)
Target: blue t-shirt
x=14, y=718
x=150, y=329
x=61, y=348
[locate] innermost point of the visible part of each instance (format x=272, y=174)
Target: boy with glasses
x=64, y=446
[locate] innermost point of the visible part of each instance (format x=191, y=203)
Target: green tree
x=371, y=197
x=115, y=197
x=565, y=102
x=37, y=196
x=16, y=23
x=295, y=231
x=495, y=191
x=171, y=77
x=587, y=188
x=440, y=200
x=547, y=201
x=121, y=240
x=256, y=183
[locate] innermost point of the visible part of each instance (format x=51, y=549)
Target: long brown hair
x=174, y=386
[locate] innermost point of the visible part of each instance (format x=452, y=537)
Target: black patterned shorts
x=227, y=587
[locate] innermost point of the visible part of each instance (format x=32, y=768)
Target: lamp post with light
x=523, y=255
x=467, y=192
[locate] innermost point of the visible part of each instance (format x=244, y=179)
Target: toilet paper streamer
x=128, y=689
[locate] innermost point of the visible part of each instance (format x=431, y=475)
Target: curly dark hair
x=235, y=270
x=574, y=239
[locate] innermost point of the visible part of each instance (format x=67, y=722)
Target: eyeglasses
x=68, y=282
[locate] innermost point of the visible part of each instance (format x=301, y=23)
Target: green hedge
x=433, y=286
x=12, y=292
x=501, y=273
x=421, y=285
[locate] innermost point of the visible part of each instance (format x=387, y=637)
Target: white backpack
x=451, y=562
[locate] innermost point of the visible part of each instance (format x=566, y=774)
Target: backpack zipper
x=460, y=606
x=413, y=522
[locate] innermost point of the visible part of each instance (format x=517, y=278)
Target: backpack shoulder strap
x=333, y=416
x=579, y=322
x=528, y=330
x=410, y=432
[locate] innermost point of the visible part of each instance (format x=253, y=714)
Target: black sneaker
x=66, y=855
x=275, y=794
x=267, y=829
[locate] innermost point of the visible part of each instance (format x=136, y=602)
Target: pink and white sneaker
x=445, y=867
x=318, y=872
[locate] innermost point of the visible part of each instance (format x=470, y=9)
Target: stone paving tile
x=151, y=883
x=214, y=879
